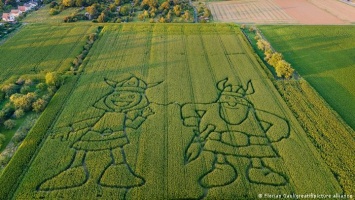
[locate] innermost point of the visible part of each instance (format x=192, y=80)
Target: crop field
x=264, y=11
x=283, y=12
x=37, y=49
x=323, y=55
x=42, y=16
x=167, y=112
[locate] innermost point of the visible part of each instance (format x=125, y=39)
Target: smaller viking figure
x=126, y=108
x=232, y=127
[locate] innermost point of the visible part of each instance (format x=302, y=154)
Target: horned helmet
x=234, y=105
x=127, y=95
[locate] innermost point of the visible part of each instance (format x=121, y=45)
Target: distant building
x=33, y=4
x=7, y=17
x=30, y=5
x=23, y=8
x=11, y=17
x=15, y=13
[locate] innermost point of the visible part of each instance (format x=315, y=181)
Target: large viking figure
x=126, y=108
x=231, y=126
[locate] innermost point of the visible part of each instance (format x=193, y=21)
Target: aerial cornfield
x=323, y=55
x=167, y=112
x=37, y=49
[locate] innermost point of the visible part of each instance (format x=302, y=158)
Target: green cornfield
x=178, y=111
x=324, y=56
x=37, y=49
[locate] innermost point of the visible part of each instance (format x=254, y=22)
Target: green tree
x=54, y=79
x=79, y=3
x=2, y=95
x=162, y=20
x=10, y=89
x=2, y=139
x=25, y=89
x=200, y=10
x=284, y=69
x=4, y=159
x=89, y=2
x=117, y=2
x=112, y=7
x=28, y=82
x=275, y=58
x=53, y=11
x=92, y=37
x=146, y=14
x=263, y=45
x=268, y=53
x=102, y=18
x=136, y=2
x=141, y=17
x=149, y=3
x=7, y=111
x=124, y=10
x=177, y=10
x=9, y=124
x=23, y=102
x=152, y=12
x=168, y=16
x=91, y=10
x=19, y=113
x=13, y=3
x=164, y=5
x=39, y=105
x=68, y=3
x=206, y=13
x=41, y=86
x=1, y=5
x=260, y=45
x=187, y=15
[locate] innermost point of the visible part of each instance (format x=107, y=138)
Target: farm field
x=283, y=12
x=42, y=16
x=172, y=111
x=323, y=55
x=37, y=49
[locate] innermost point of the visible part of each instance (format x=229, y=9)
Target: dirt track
x=283, y=12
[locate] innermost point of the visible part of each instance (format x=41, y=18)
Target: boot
x=119, y=174
x=75, y=176
x=221, y=174
x=261, y=174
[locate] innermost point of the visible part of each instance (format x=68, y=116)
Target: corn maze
x=172, y=112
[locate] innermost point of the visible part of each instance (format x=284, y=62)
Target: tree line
x=275, y=59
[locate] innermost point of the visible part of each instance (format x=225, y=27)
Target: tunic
x=247, y=139
x=107, y=133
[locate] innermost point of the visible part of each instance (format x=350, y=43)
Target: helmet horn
x=250, y=88
x=222, y=84
x=110, y=82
